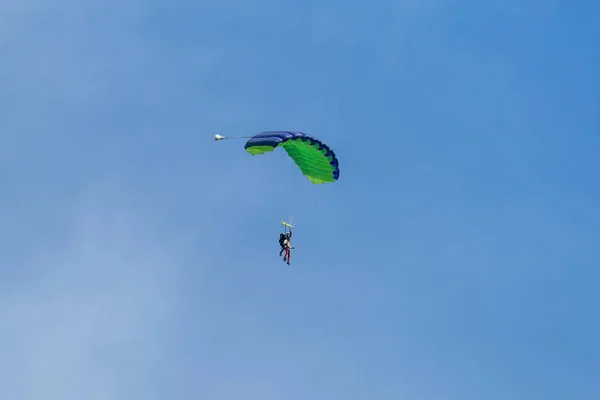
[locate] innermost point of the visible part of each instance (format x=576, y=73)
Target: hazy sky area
x=457, y=257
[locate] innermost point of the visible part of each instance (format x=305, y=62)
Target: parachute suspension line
x=295, y=216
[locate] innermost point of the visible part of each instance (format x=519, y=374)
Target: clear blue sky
x=456, y=258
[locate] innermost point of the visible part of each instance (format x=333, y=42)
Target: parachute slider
x=286, y=225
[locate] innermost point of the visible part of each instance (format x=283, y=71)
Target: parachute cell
x=314, y=158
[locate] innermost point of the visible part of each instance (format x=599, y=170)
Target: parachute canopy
x=314, y=158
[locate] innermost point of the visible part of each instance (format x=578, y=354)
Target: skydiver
x=282, y=238
x=287, y=246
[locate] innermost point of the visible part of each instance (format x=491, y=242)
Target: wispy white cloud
x=90, y=315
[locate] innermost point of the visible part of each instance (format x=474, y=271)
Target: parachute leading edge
x=314, y=158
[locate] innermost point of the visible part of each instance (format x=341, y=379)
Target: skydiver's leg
x=287, y=255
